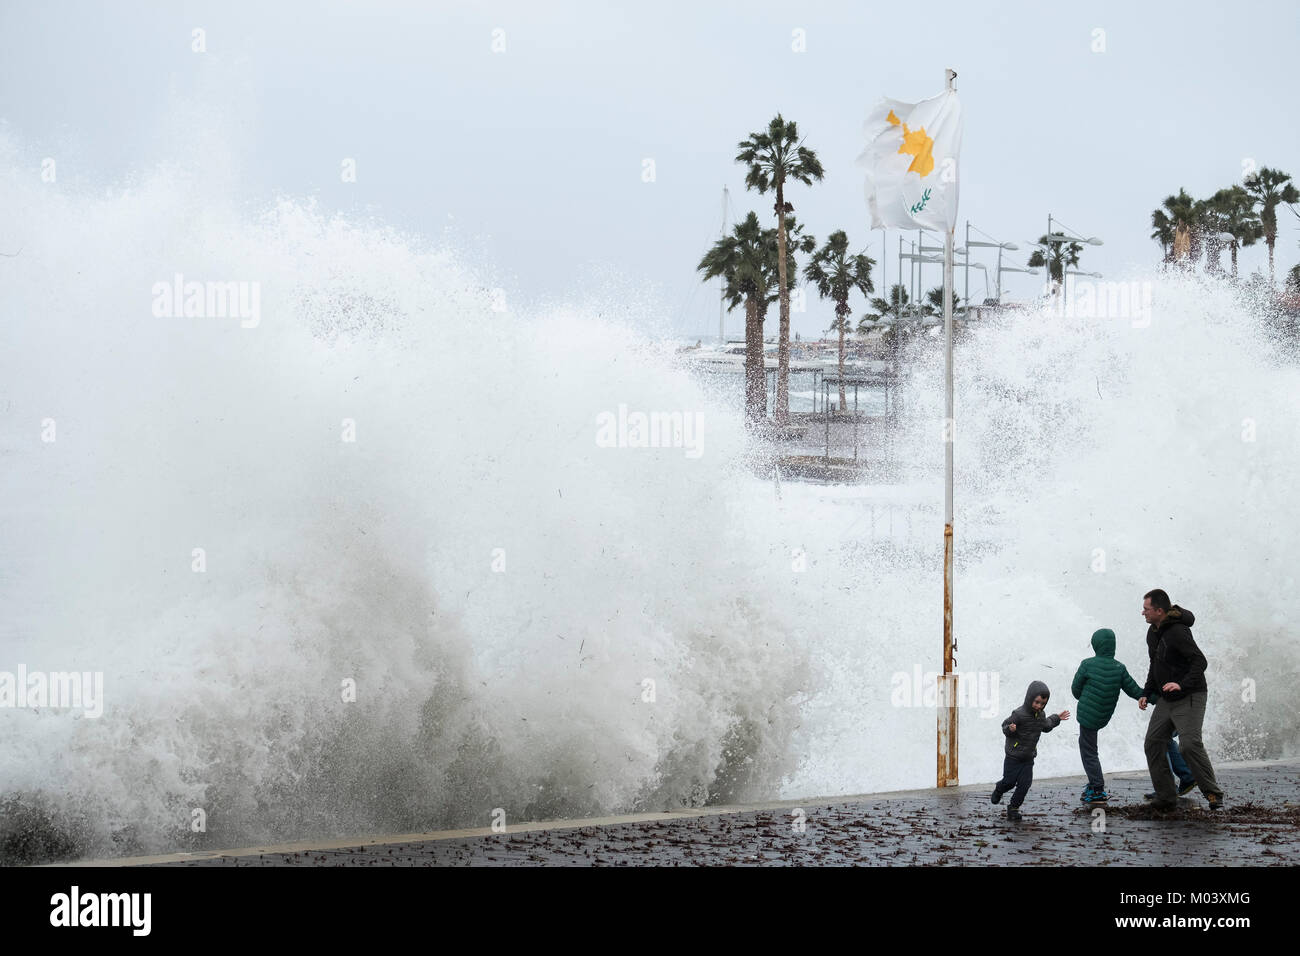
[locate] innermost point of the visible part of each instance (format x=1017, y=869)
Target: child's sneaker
x=1013, y=813
x=1087, y=795
x=1099, y=796
x=1215, y=800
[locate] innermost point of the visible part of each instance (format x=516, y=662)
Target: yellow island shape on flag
x=917, y=145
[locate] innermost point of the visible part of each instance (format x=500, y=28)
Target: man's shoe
x=1183, y=790
x=995, y=796
x=1156, y=804
x=1215, y=800
x=1013, y=813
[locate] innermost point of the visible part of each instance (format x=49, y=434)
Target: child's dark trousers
x=1017, y=774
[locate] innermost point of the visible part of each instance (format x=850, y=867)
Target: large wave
x=367, y=564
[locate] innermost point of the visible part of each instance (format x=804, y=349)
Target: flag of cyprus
x=911, y=162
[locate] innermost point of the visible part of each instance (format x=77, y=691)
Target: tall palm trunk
x=1270, y=238
x=755, y=383
x=782, y=411
x=843, y=316
x=1234, y=258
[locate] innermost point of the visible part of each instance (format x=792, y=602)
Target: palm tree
x=741, y=260
x=1162, y=231
x=898, y=308
x=1064, y=255
x=1209, y=224
x=835, y=273
x=895, y=307
x=934, y=302
x=1232, y=213
x=795, y=241
x=1176, y=209
x=1267, y=188
x=747, y=262
x=773, y=157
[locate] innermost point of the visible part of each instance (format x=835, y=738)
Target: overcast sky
x=533, y=156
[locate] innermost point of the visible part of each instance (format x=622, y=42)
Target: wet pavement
x=1259, y=826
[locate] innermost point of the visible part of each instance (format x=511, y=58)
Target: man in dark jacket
x=1177, y=677
x=1022, y=730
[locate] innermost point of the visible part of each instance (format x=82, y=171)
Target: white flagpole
x=947, y=731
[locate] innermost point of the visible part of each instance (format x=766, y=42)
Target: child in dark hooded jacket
x=1022, y=729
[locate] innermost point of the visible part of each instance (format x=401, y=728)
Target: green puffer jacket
x=1099, y=680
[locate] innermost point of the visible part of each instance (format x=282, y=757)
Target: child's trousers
x=1091, y=762
x=1018, y=774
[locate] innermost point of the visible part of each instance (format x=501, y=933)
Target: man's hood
x=1035, y=689
x=1103, y=642
x=1179, y=615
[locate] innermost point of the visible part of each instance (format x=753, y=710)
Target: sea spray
x=277, y=542
x=1097, y=458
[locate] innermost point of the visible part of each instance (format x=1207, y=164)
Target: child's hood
x=1036, y=688
x=1103, y=642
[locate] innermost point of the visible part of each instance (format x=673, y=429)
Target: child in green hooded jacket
x=1096, y=686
